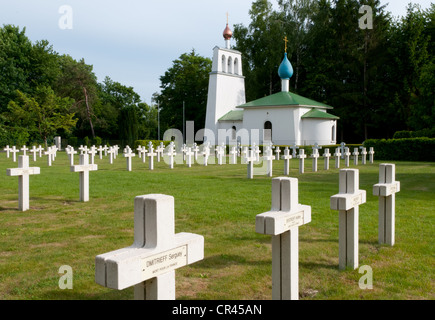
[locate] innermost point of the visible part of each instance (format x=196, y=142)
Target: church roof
x=317, y=114
x=284, y=99
x=234, y=115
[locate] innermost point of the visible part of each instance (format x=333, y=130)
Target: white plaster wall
x=318, y=131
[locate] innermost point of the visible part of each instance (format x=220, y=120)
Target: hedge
x=409, y=149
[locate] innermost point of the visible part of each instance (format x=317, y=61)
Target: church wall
x=318, y=131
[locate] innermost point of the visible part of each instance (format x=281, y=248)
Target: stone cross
x=269, y=157
x=347, y=203
x=54, y=153
x=111, y=153
x=277, y=153
x=195, y=151
x=83, y=168
x=355, y=156
x=301, y=156
x=294, y=148
x=220, y=154
x=326, y=156
x=105, y=148
x=363, y=155
x=171, y=154
x=34, y=151
x=286, y=157
x=342, y=146
x=40, y=149
x=143, y=153
x=50, y=154
x=233, y=155
x=23, y=171
x=189, y=154
x=282, y=222
x=386, y=190
x=151, y=155
x=315, y=155
x=92, y=152
x=100, y=151
x=24, y=149
x=139, y=151
x=184, y=150
x=7, y=149
x=346, y=155
x=149, y=264
x=249, y=159
x=371, y=155
x=14, y=153
x=84, y=149
x=116, y=148
x=206, y=154
x=71, y=152
x=128, y=154
x=160, y=149
x=337, y=156
x=257, y=152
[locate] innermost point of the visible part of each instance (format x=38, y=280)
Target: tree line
x=379, y=80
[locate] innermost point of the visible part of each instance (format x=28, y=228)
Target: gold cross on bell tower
x=285, y=41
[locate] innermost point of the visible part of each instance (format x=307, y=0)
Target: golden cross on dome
x=227, y=17
x=285, y=41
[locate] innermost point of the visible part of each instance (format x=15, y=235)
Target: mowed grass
x=220, y=203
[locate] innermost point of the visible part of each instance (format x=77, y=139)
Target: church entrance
x=267, y=134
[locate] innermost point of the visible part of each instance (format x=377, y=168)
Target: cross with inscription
x=363, y=155
x=347, y=203
x=23, y=171
x=386, y=190
x=355, y=154
x=342, y=146
x=326, y=156
x=315, y=155
x=150, y=263
x=282, y=222
x=346, y=155
x=83, y=169
x=371, y=155
x=301, y=156
x=337, y=156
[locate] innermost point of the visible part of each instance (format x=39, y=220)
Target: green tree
x=186, y=81
x=43, y=114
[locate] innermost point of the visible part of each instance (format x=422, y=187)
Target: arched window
x=236, y=66
x=230, y=65
x=267, y=135
x=333, y=134
x=224, y=63
x=233, y=133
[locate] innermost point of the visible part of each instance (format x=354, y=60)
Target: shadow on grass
x=224, y=260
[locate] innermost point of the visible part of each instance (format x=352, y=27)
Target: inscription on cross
x=347, y=203
x=150, y=263
x=386, y=190
x=282, y=222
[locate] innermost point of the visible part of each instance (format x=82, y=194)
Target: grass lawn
x=220, y=203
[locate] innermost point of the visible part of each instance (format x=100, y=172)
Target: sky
x=135, y=42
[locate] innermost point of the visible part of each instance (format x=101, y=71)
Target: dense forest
x=379, y=80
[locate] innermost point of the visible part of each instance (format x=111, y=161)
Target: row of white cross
x=150, y=263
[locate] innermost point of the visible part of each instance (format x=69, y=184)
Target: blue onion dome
x=285, y=70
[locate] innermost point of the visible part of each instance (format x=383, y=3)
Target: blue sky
x=134, y=42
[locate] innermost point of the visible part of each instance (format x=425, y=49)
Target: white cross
x=347, y=203
x=49, y=153
x=116, y=148
x=363, y=155
x=233, y=155
x=315, y=155
x=371, y=155
x=14, y=153
x=286, y=157
x=184, y=150
x=189, y=154
x=244, y=154
x=128, y=154
x=294, y=148
x=150, y=263
x=301, y=156
x=206, y=154
x=111, y=153
x=92, y=152
x=257, y=152
x=249, y=159
x=220, y=154
x=23, y=171
x=269, y=157
x=143, y=152
x=386, y=190
x=355, y=156
x=24, y=149
x=7, y=149
x=83, y=168
x=337, y=156
x=34, y=150
x=342, y=150
x=40, y=149
x=54, y=154
x=139, y=151
x=277, y=153
x=151, y=155
x=326, y=156
x=282, y=222
x=83, y=149
x=105, y=148
x=71, y=152
x=100, y=151
x=346, y=155
x=171, y=154
x=160, y=149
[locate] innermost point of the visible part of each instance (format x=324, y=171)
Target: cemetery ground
x=221, y=204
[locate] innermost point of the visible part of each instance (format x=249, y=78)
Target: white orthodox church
x=283, y=118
